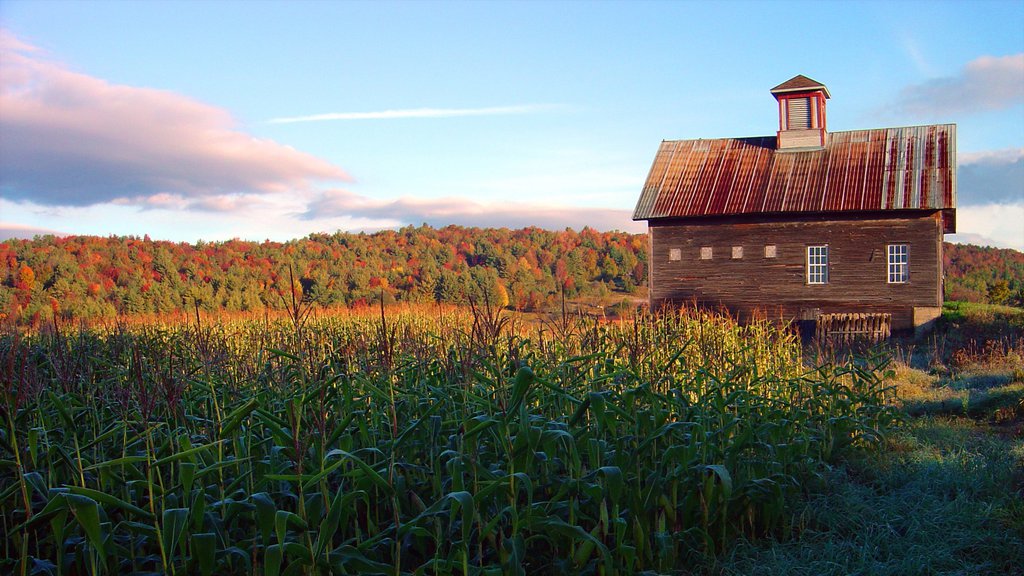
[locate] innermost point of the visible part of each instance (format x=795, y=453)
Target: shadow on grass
x=989, y=401
x=944, y=498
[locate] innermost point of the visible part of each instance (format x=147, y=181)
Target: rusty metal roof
x=800, y=83
x=908, y=168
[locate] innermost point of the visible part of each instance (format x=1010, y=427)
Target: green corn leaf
x=468, y=507
x=613, y=481
x=234, y=420
x=221, y=465
x=372, y=474
x=204, y=550
x=147, y=530
x=62, y=410
x=723, y=476
x=186, y=453
x=87, y=513
x=405, y=433
x=265, y=511
x=283, y=354
x=556, y=526
x=187, y=474
x=54, y=506
x=36, y=481
x=58, y=523
x=477, y=425
x=272, y=560
x=520, y=388
x=110, y=500
x=328, y=526
x=284, y=519
x=117, y=462
x=173, y=528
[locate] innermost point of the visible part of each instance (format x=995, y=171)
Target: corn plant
x=414, y=443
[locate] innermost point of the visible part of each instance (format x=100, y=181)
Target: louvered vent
x=799, y=113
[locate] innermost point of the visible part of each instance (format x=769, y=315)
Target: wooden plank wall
x=776, y=287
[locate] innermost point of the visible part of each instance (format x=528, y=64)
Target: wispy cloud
x=464, y=212
x=1003, y=155
x=986, y=83
x=74, y=140
x=14, y=230
x=417, y=113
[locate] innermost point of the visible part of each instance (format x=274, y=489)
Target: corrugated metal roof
x=860, y=170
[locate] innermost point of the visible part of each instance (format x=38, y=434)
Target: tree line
x=984, y=274
x=91, y=278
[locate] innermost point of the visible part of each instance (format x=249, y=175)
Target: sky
x=274, y=120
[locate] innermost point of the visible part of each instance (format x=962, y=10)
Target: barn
x=804, y=223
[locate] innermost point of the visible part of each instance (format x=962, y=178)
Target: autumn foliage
x=91, y=278
x=83, y=277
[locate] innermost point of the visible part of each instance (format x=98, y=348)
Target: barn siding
x=776, y=287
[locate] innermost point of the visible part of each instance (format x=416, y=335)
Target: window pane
x=705, y=253
x=675, y=254
x=899, y=263
x=817, y=264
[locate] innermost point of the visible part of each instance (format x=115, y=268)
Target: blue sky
x=214, y=120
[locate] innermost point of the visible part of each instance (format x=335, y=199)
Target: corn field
x=429, y=442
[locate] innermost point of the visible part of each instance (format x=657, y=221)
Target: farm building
x=806, y=222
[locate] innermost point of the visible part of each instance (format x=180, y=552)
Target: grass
x=450, y=443
x=946, y=494
x=944, y=498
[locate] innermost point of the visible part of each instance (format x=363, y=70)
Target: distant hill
x=84, y=277
x=983, y=274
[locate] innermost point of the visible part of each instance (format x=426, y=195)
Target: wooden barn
x=804, y=223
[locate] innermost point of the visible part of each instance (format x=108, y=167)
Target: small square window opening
x=737, y=252
x=770, y=251
x=675, y=254
x=705, y=253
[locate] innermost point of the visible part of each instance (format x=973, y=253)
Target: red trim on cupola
x=815, y=94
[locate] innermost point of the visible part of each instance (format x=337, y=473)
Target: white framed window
x=675, y=254
x=899, y=263
x=737, y=252
x=705, y=253
x=770, y=251
x=817, y=264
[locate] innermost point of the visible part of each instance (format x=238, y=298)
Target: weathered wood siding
x=777, y=287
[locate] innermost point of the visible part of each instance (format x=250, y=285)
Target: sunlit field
x=430, y=441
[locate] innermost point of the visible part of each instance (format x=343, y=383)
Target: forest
x=89, y=278
x=80, y=277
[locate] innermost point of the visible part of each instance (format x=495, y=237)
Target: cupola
x=801, y=113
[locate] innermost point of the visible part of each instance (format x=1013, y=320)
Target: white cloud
x=70, y=139
x=416, y=113
x=999, y=225
x=986, y=83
